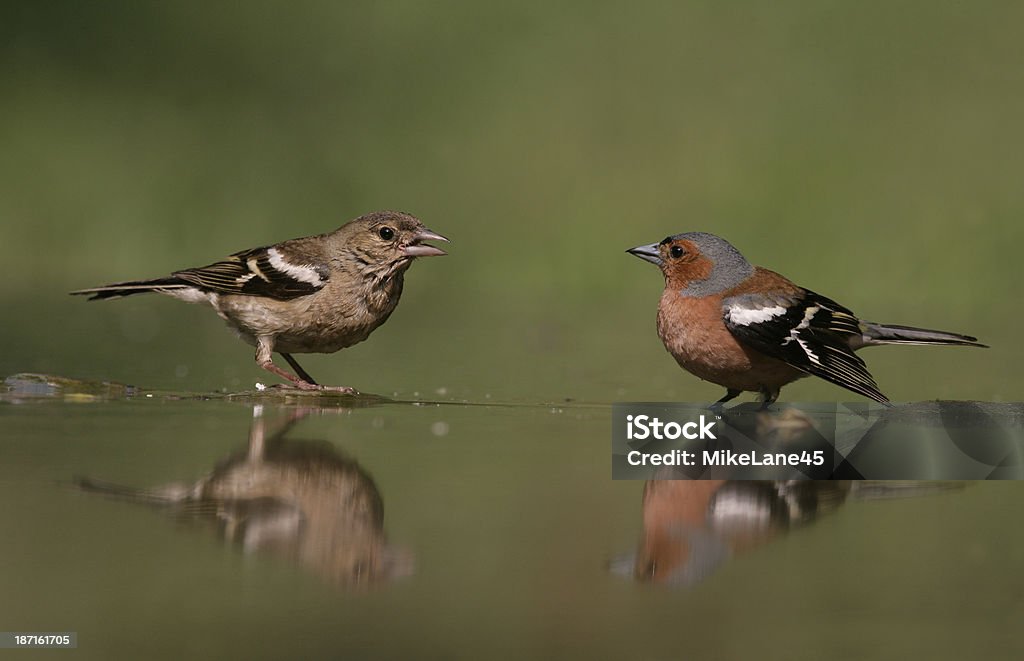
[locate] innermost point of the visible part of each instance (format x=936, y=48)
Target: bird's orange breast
x=694, y=332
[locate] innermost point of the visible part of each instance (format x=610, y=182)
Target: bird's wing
x=281, y=272
x=805, y=330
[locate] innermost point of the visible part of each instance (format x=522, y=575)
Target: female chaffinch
x=750, y=329
x=317, y=294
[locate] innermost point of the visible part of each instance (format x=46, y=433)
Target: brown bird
x=748, y=328
x=317, y=294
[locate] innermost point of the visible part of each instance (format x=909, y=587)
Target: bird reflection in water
x=296, y=499
x=692, y=527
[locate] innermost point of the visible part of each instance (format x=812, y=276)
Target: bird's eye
x=676, y=252
x=386, y=233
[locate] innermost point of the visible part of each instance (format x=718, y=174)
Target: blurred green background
x=870, y=151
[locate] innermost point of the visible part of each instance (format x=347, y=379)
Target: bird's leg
x=303, y=374
x=264, y=349
x=768, y=397
x=730, y=394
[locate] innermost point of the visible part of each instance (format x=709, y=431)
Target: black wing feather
x=813, y=335
x=250, y=273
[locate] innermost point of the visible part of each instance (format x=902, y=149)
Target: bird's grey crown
x=729, y=269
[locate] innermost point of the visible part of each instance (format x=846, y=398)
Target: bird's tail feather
x=886, y=489
x=169, y=494
x=893, y=334
x=128, y=288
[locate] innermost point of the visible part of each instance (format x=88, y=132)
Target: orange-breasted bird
x=317, y=294
x=750, y=329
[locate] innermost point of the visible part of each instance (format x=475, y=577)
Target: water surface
x=502, y=536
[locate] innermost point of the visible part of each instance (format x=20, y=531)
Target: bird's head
x=696, y=263
x=388, y=240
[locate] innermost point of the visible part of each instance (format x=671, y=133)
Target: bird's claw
x=344, y=390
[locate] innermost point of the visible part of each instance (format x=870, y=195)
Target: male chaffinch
x=748, y=328
x=692, y=527
x=317, y=294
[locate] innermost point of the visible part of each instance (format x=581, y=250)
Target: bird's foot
x=719, y=406
x=768, y=397
x=344, y=390
x=316, y=387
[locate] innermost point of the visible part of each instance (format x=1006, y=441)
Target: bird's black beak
x=418, y=249
x=648, y=253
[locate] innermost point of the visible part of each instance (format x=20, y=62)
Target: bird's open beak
x=418, y=249
x=647, y=253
